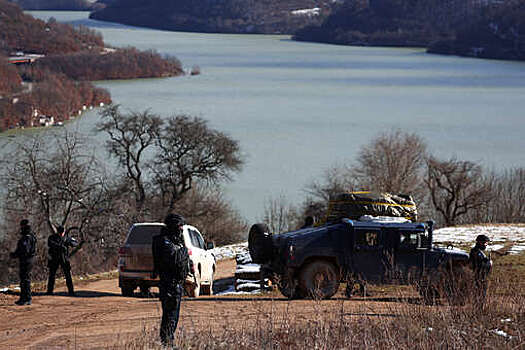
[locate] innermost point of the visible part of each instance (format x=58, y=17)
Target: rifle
x=80, y=244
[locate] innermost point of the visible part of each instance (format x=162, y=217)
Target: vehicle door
x=199, y=254
x=208, y=258
x=367, y=255
x=410, y=256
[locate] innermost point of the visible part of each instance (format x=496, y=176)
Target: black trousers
x=66, y=269
x=25, y=279
x=480, y=291
x=170, y=301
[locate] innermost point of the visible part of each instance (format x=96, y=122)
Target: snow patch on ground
x=494, y=247
x=503, y=233
x=517, y=249
x=500, y=236
x=230, y=251
x=248, y=285
x=501, y=333
x=231, y=291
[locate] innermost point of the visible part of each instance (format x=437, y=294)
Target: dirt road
x=99, y=317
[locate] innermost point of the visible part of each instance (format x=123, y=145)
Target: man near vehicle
x=58, y=256
x=170, y=263
x=481, y=264
x=25, y=252
x=308, y=222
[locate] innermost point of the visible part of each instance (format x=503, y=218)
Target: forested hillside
x=221, y=16
x=22, y=32
x=493, y=29
x=71, y=5
x=499, y=33
x=57, y=83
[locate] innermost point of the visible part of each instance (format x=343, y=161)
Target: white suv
x=135, y=264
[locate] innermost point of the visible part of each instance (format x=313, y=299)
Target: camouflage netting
x=353, y=205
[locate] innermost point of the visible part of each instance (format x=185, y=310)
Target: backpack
x=29, y=246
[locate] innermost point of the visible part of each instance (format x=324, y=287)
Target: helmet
x=482, y=238
x=24, y=222
x=173, y=223
x=60, y=229
x=174, y=220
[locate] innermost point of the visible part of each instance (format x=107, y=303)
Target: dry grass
x=403, y=325
x=501, y=325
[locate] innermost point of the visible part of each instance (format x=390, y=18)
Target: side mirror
x=210, y=245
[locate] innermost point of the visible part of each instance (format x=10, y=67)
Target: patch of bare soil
x=99, y=317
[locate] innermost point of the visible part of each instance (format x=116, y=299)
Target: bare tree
x=456, y=188
x=392, y=162
x=189, y=152
x=52, y=182
x=335, y=180
x=280, y=216
x=208, y=209
x=507, y=198
x=130, y=136
x=175, y=164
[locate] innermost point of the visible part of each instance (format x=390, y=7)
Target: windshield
x=143, y=234
x=413, y=239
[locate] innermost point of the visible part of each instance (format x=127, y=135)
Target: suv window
x=143, y=234
x=196, y=239
x=408, y=239
x=367, y=238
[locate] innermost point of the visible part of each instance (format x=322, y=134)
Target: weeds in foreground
x=499, y=325
x=403, y=324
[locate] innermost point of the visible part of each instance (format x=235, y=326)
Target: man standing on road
x=481, y=264
x=171, y=264
x=58, y=255
x=25, y=252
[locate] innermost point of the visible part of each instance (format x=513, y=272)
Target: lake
x=297, y=108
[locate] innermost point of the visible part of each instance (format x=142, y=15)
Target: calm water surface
x=298, y=108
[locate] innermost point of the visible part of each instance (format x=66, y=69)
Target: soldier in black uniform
x=171, y=264
x=308, y=222
x=25, y=252
x=58, y=255
x=481, y=264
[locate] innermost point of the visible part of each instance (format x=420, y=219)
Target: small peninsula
x=484, y=29
x=223, y=16
x=47, y=69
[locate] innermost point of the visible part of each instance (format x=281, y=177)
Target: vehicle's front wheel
x=260, y=243
x=456, y=286
x=319, y=280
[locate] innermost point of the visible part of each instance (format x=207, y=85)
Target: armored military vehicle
x=312, y=262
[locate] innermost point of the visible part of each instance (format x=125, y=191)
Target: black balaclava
x=480, y=240
x=24, y=227
x=173, y=224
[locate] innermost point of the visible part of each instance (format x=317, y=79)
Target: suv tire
x=207, y=289
x=260, y=243
x=319, y=280
x=456, y=286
